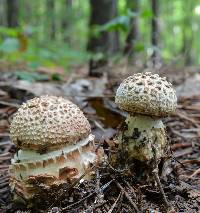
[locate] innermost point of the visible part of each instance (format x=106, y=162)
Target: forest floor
x=112, y=190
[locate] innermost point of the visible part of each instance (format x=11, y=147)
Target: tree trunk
x=66, y=22
x=155, y=32
x=187, y=32
x=134, y=34
x=187, y=47
x=107, y=42
x=12, y=13
x=51, y=15
x=3, y=18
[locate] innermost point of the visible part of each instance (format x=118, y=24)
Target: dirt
x=111, y=190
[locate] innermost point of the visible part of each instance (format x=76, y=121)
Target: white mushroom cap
x=48, y=122
x=146, y=93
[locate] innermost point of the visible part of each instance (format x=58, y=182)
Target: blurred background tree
x=105, y=42
x=69, y=33
x=12, y=13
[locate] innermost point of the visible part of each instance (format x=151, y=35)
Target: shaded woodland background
x=65, y=33
x=81, y=50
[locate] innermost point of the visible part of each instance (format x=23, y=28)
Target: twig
x=115, y=203
x=99, y=126
x=131, y=188
x=4, y=184
x=177, y=133
x=197, y=161
x=9, y=104
x=188, y=119
x=6, y=154
x=157, y=179
x=127, y=196
x=4, y=166
x=180, y=145
x=5, y=143
x=195, y=173
x=88, y=196
x=99, y=205
x=80, y=201
x=4, y=134
x=98, y=180
x=182, y=152
x=100, y=194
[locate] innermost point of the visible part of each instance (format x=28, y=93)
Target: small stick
x=99, y=205
x=9, y=104
x=98, y=180
x=100, y=194
x=181, y=115
x=157, y=179
x=88, y=196
x=127, y=196
x=197, y=161
x=131, y=188
x=5, y=143
x=180, y=145
x=80, y=201
x=115, y=203
x=195, y=173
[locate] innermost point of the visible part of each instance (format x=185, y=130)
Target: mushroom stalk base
x=142, y=138
x=31, y=170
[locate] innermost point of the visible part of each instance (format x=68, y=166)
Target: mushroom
x=147, y=98
x=54, y=142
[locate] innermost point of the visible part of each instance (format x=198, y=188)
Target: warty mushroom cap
x=48, y=122
x=60, y=127
x=148, y=94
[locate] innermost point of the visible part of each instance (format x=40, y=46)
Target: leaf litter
x=110, y=190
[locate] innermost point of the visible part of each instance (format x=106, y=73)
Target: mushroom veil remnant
x=54, y=142
x=147, y=98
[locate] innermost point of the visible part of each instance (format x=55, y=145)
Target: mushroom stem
x=139, y=134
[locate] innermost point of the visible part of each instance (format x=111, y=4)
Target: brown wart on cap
x=55, y=144
x=146, y=97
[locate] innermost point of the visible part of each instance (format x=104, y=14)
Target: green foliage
x=56, y=77
x=119, y=23
x=31, y=76
x=37, y=53
x=139, y=47
x=33, y=43
x=8, y=31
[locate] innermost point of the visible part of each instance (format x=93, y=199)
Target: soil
x=111, y=189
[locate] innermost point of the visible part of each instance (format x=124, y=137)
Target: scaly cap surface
x=146, y=93
x=48, y=122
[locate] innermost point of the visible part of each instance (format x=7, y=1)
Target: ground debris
x=112, y=191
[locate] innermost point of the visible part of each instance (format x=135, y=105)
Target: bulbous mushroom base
x=142, y=139
x=31, y=171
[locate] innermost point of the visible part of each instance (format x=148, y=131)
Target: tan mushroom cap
x=48, y=122
x=146, y=93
